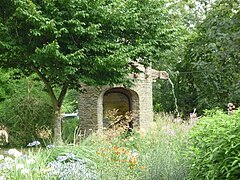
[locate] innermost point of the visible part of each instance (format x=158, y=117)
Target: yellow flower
x=123, y=150
x=45, y=170
x=133, y=160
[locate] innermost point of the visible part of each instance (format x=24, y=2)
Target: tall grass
x=162, y=149
x=156, y=154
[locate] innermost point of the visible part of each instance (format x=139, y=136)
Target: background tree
x=66, y=42
x=211, y=66
x=5, y=87
x=180, y=18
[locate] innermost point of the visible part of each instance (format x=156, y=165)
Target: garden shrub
x=214, y=146
x=27, y=115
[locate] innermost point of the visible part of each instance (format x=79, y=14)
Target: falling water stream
x=175, y=98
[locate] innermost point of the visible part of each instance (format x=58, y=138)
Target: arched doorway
x=120, y=101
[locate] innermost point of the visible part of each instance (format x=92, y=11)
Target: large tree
x=69, y=42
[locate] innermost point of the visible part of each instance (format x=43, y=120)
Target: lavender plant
x=68, y=166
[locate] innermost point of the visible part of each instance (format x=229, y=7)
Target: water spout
x=175, y=98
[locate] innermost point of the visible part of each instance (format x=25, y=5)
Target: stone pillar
x=88, y=109
x=144, y=90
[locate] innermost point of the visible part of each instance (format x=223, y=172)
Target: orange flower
x=117, y=153
x=115, y=148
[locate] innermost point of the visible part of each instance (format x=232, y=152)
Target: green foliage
x=204, y=66
x=69, y=126
x=214, y=147
x=209, y=73
x=159, y=153
x=70, y=103
x=5, y=87
x=26, y=113
x=82, y=40
x=163, y=99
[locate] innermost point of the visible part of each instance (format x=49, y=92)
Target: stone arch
x=119, y=98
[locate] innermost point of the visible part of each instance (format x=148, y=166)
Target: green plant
x=26, y=114
x=68, y=128
x=54, y=163
x=162, y=149
x=214, y=148
x=159, y=151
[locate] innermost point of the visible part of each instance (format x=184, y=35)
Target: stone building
x=96, y=101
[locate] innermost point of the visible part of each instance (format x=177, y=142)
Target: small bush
x=214, y=147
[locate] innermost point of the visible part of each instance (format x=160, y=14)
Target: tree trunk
x=57, y=138
x=57, y=104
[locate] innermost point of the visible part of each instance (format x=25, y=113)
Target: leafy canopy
x=70, y=40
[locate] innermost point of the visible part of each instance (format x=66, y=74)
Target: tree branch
x=48, y=86
x=62, y=94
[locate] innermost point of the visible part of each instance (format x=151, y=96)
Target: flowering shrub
x=16, y=165
x=122, y=158
x=136, y=156
x=117, y=124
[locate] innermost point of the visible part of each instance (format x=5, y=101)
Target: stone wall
x=91, y=105
x=91, y=102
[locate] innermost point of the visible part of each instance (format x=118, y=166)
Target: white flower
x=134, y=153
x=3, y=178
x=14, y=152
x=30, y=161
x=50, y=146
x=11, y=151
x=19, y=166
x=1, y=157
x=25, y=171
x=34, y=143
x=8, y=160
